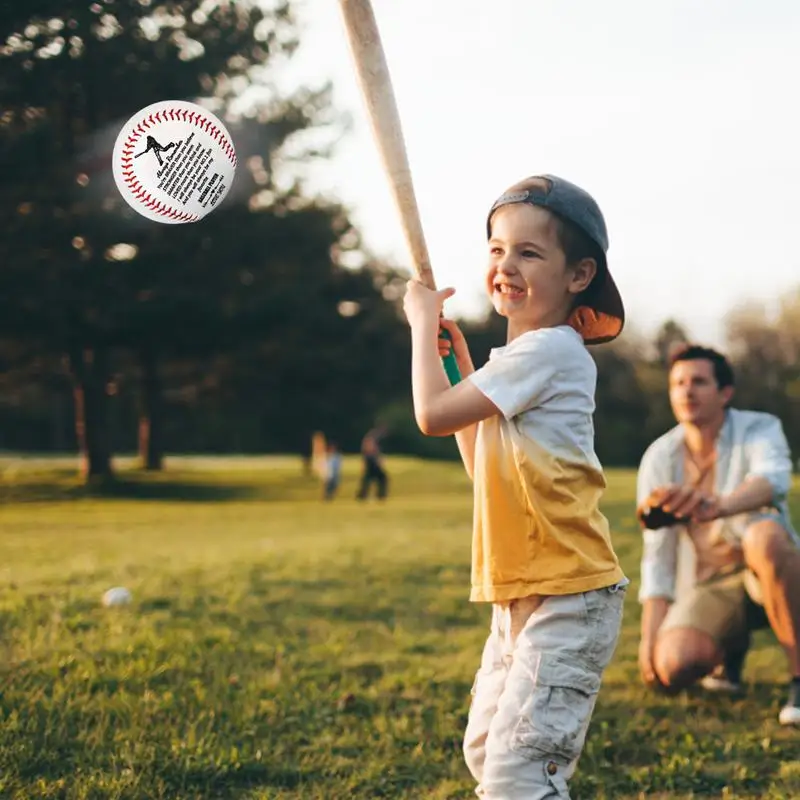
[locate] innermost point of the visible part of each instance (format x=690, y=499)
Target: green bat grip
x=449, y=361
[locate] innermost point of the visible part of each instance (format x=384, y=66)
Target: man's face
x=694, y=394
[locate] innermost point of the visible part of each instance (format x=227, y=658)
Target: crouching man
x=720, y=555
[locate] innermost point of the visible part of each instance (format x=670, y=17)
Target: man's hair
x=723, y=371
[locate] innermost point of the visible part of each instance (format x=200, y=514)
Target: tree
x=670, y=336
x=765, y=351
x=71, y=73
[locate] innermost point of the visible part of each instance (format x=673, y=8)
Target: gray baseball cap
x=601, y=315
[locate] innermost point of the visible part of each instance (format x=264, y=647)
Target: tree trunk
x=90, y=377
x=151, y=416
x=59, y=438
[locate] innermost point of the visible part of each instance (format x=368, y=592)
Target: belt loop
x=617, y=586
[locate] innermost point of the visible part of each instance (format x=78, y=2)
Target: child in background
x=541, y=549
x=333, y=470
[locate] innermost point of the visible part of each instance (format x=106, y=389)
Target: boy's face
x=528, y=280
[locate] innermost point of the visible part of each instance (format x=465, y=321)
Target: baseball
x=118, y=596
x=174, y=162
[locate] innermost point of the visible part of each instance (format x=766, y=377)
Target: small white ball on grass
x=118, y=596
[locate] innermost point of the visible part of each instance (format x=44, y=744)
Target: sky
x=680, y=117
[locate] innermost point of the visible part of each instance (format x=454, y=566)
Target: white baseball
x=174, y=161
x=118, y=596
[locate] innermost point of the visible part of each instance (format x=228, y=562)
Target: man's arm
x=770, y=463
x=769, y=473
x=659, y=562
x=659, y=547
x=654, y=610
x=753, y=493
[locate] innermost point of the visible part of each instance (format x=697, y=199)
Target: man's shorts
x=722, y=607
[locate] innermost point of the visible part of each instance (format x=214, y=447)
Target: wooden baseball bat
x=376, y=89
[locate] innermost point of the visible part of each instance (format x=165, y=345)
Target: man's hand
x=713, y=507
x=646, y=668
x=684, y=502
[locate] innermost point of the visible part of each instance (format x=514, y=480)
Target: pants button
x=552, y=767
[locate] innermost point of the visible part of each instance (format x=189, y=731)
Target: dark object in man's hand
x=655, y=518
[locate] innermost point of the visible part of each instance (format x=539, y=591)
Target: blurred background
x=278, y=315
x=271, y=644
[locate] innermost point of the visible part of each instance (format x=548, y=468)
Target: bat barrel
x=376, y=88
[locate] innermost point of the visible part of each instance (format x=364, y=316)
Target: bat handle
x=449, y=361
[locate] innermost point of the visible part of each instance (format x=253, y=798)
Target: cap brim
x=601, y=316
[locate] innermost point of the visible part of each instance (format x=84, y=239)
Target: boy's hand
x=458, y=344
x=423, y=305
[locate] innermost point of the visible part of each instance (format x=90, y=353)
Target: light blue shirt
x=750, y=444
x=334, y=466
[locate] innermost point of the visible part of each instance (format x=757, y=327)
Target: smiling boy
x=541, y=549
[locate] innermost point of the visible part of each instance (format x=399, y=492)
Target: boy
x=333, y=470
x=541, y=549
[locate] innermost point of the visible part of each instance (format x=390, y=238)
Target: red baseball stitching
x=132, y=182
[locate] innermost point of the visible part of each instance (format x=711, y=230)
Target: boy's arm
x=441, y=409
x=466, y=437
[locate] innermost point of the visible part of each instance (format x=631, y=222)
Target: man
x=727, y=560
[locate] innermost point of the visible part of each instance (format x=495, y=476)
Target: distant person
x=306, y=455
x=333, y=470
x=319, y=454
x=372, y=461
x=541, y=548
x=720, y=556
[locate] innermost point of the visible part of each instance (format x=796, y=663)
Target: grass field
x=280, y=647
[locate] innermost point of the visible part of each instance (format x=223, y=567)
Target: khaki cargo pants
x=535, y=691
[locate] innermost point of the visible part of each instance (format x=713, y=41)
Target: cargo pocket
x=554, y=719
x=604, y=609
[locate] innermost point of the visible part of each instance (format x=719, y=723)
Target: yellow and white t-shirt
x=538, y=529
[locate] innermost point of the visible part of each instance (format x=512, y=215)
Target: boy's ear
x=582, y=275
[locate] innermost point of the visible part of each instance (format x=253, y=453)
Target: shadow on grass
x=144, y=488
x=220, y=780
x=362, y=601
x=170, y=491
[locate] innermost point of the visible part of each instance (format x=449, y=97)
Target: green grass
x=280, y=647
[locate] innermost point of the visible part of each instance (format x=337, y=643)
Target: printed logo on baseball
x=174, y=162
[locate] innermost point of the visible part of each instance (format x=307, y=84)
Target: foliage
x=268, y=320
x=262, y=294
